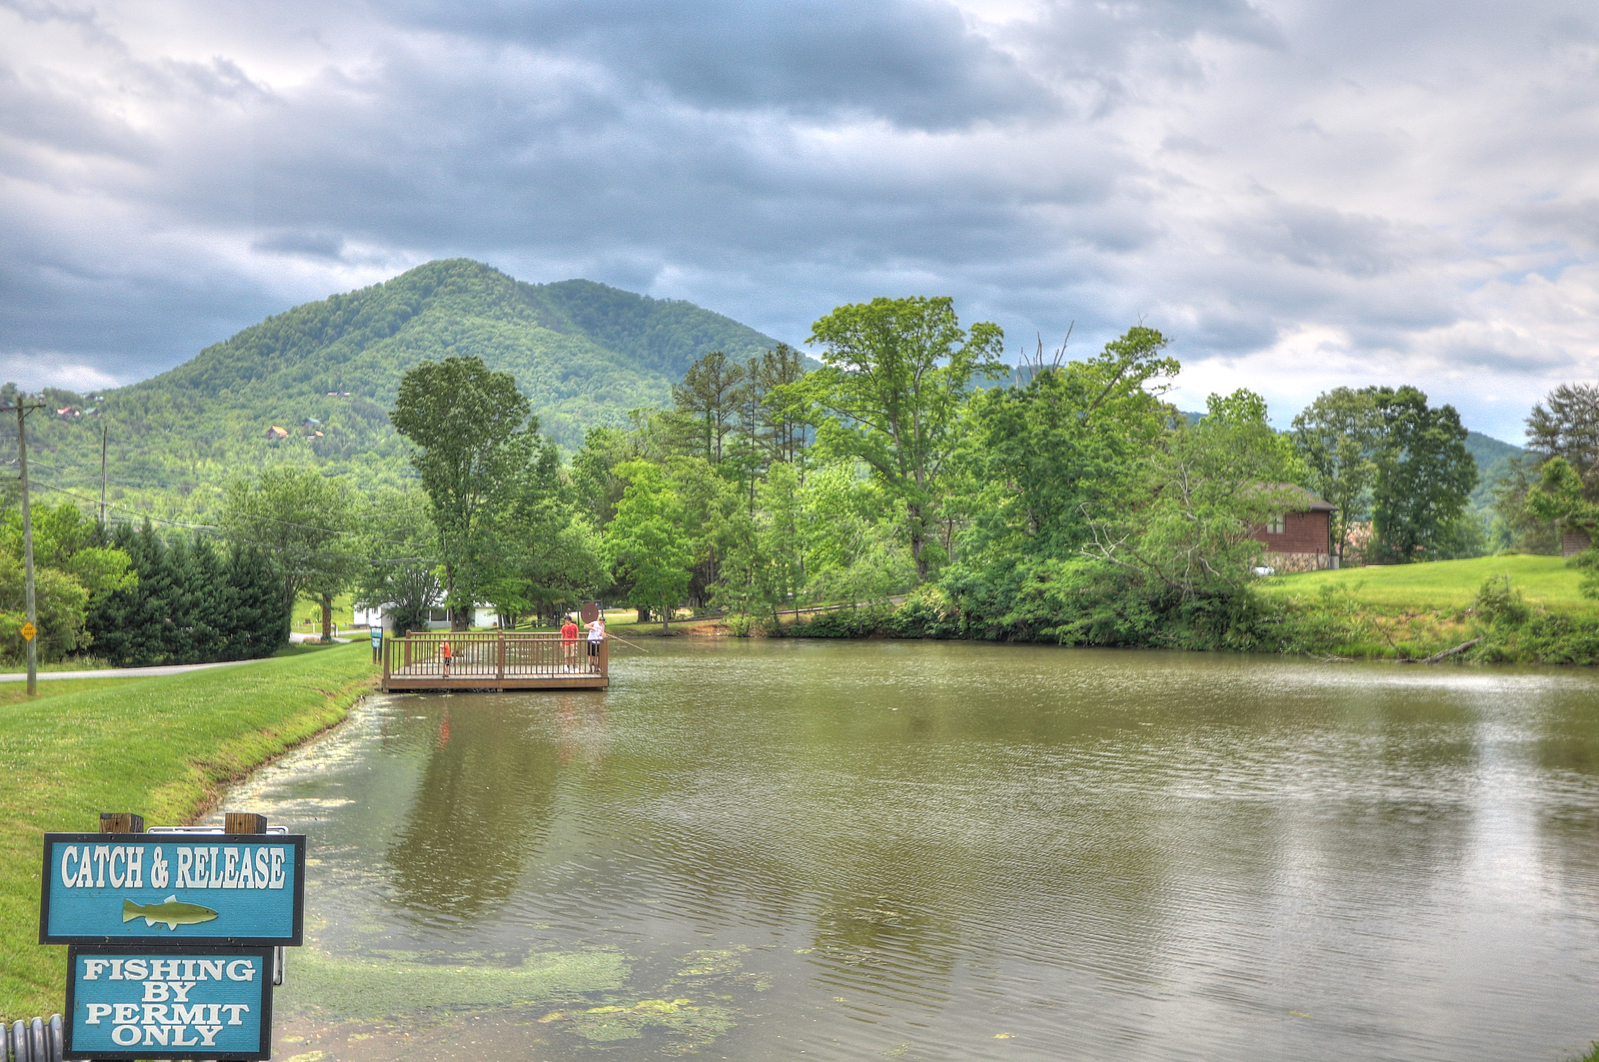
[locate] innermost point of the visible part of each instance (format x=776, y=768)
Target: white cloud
x=1303, y=194
x=31, y=372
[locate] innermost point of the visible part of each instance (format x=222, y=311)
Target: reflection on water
x=480, y=809
x=868, y=850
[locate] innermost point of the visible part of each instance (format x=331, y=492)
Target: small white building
x=438, y=619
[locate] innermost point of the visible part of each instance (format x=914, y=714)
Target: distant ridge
x=584, y=353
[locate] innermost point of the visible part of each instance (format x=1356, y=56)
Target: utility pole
x=30, y=630
x=103, y=427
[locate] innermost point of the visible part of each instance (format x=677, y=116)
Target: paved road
x=120, y=672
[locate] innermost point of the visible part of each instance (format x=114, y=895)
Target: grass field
x=161, y=747
x=1544, y=581
x=17, y=692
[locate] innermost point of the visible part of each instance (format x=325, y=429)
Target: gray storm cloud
x=1301, y=194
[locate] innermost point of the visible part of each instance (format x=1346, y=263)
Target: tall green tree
x=1424, y=476
x=1566, y=424
x=896, y=374
x=1211, y=486
x=399, y=553
x=305, y=523
x=646, y=543
x=1338, y=437
x=776, y=420
x=711, y=394
x=1052, y=454
x=475, y=438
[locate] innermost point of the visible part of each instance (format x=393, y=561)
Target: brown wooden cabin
x=1300, y=539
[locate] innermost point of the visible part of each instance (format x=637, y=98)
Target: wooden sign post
x=173, y=935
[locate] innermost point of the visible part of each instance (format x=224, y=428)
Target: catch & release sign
x=172, y=889
x=177, y=1003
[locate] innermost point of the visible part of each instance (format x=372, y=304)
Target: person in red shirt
x=445, y=653
x=569, y=642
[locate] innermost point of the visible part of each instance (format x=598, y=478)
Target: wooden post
x=121, y=822
x=605, y=658
x=500, y=672
x=243, y=822
x=386, y=643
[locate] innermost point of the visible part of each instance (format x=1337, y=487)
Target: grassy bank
x=1442, y=585
x=1415, y=610
x=17, y=692
x=1532, y=612
x=162, y=747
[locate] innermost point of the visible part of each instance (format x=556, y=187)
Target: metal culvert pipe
x=35, y=1041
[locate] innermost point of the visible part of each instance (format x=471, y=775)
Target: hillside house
x=275, y=433
x=1300, y=539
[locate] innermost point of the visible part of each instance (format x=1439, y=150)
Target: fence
x=500, y=659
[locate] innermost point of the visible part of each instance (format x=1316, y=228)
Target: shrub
x=1500, y=603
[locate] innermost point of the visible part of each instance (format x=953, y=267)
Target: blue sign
x=377, y=636
x=129, y=1003
x=172, y=889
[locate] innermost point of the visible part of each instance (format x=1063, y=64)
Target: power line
x=222, y=534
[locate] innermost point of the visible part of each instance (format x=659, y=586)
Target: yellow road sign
x=28, y=631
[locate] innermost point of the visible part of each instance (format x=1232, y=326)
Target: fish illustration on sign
x=170, y=911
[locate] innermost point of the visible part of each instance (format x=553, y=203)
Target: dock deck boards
x=492, y=660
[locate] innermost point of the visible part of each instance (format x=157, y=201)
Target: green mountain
x=584, y=353
x=1495, y=460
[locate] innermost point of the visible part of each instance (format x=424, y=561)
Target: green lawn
x=1444, y=584
x=77, y=663
x=305, y=611
x=17, y=692
x=161, y=747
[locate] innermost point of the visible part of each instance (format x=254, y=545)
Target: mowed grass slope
x=1439, y=585
x=161, y=747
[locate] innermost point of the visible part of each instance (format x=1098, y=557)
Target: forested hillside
x=583, y=353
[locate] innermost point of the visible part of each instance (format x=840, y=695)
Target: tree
x=852, y=533
x=1560, y=498
x=1566, y=424
x=711, y=393
x=1050, y=455
x=399, y=552
x=191, y=603
x=896, y=374
x=1211, y=487
x=475, y=437
x=764, y=566
x=60, y=603
x=1337, y=437
x=1424, y=475
x=706, y=505
x=776, y=421
x=646, y=544
x=305, y=523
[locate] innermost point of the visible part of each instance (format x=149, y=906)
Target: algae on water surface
x=335, y=987
x=694, y=1025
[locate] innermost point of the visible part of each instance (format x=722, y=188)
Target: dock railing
x=503, y=659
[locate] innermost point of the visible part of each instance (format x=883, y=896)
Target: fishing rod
x=624, y=641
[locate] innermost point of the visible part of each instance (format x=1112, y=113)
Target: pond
x=867, y=850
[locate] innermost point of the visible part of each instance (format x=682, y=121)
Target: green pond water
x=866, y=850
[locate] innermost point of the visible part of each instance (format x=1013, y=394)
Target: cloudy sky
x=1301, y=193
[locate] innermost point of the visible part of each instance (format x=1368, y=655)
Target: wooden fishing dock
x=493, y=660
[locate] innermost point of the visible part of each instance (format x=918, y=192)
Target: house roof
x=1308, y=500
